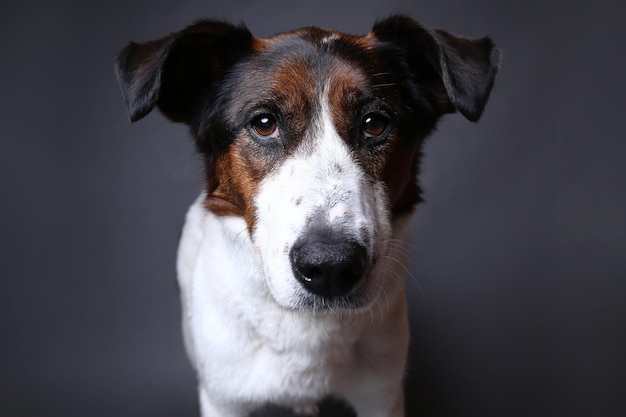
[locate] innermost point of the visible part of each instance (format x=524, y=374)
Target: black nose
x=326, y=265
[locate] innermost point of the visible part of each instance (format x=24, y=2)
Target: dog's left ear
x=464, y=69
x=179, y=72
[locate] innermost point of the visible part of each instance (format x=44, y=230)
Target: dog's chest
x=295, y=357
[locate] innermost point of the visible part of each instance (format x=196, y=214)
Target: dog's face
x=312, y=137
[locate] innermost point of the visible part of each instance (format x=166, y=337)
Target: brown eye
x=264, y=125
x=374, y=125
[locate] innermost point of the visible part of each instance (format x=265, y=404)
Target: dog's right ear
x=465, y=68
x=179, y=72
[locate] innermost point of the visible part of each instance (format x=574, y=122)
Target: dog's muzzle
x=327, y=263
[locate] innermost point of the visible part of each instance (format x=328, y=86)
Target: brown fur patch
x=234, y=181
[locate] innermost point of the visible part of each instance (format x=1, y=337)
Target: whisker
x=392, y=274
x=404, y=244
x=409, y=273
x=384, y=85
x=386, y=301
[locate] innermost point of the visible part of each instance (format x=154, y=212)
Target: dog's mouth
x=336, y=304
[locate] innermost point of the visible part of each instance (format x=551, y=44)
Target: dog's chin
x=303, y=301
x=319, y=304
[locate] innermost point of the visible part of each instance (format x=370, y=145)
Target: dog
x=292, y=260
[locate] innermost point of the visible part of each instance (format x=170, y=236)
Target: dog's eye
x=265, y=126
x=374, y=125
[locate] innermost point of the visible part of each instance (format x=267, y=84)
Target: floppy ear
x=178, y=72
x=463, y=69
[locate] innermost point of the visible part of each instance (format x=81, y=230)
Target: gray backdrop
x=520, y=249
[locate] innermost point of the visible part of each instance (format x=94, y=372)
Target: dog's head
x=312, y=137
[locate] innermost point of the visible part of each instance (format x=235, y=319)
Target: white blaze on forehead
x=340, y=175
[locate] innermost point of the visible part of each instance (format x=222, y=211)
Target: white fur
x=245, y=328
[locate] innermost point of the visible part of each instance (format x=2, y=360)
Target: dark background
x=520, y=249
